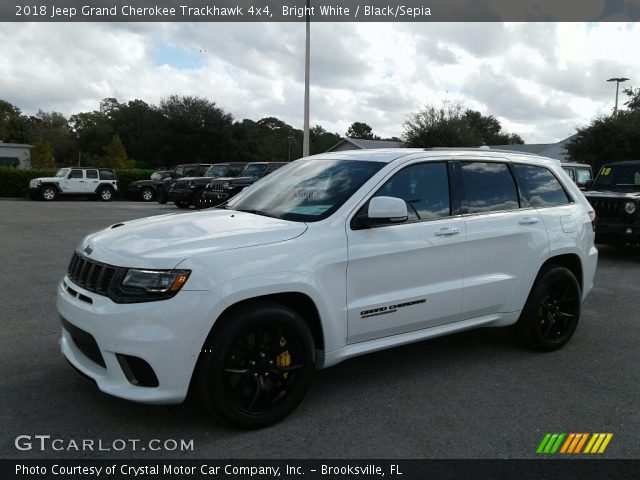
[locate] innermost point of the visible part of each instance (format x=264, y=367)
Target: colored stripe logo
x=574, y=443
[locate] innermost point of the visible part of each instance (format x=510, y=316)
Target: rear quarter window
x=541, y=186
x=107, y=175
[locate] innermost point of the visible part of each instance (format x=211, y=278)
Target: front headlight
x=149, y=285
x=192, y=184
x=630, y=207
x=226, y=185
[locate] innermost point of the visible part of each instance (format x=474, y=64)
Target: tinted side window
x=488, y=187
x=92, y=174
x=107, y=175
x=570, y=173
x=76, y=174
x=542, y=187
x=425, y=188
x=234, y=170
x=273, y=167
x=583, y=176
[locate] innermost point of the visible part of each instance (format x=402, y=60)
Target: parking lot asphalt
x=471, y=395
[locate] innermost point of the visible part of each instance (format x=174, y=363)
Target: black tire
x=147, y=194
x=48, y=193
x=552, y=311
x=257, y=365
x=200, y=202
x=105, y=194
x=182, y=203
x=161, y=196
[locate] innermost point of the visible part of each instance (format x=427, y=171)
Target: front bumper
x=168, y=335
x=181, y=195
x=215, y=198
x=617, y=233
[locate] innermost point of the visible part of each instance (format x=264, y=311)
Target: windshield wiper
x=255, y=212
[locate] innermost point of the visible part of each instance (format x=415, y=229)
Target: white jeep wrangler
x=96, y=183
x=329, y=257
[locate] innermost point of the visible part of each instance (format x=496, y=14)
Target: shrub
x=14, y=182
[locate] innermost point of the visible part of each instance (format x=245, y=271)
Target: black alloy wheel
x=552, y=311
x=257, y=367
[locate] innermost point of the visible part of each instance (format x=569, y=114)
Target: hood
x=34, y=181
x=620, y=194
x=185, y=179
x=164, y=241
x=235, y=179
x=141, y=182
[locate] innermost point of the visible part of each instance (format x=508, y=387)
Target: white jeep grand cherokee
x=330, y=257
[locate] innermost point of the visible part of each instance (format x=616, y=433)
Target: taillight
x=593, y=218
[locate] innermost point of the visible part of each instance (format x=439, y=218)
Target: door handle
x=528, y=221
x=445, y=232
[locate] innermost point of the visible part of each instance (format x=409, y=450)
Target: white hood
x=164, y=241
x=34, y=181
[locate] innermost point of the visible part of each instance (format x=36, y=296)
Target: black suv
x=188, y=191
x=164, y=186
x=145, y=190
x=615, y=196
x=222, y=189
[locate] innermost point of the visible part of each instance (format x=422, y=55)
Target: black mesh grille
x=85, y=343
x=216, y=186
x=89, y=274
x=610, y=209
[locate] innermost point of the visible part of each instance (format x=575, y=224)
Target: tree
x=53, y=128
x=449, y=126
x=142, y=129
x=42, y=155
x=360, y=130
x=115, y=155
x=196, y=130
x=634, y=98
x=488, y=131
x=321, y=140
x=609, y=138
x=14, y=126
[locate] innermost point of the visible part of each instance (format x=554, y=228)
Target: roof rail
x=483, y=148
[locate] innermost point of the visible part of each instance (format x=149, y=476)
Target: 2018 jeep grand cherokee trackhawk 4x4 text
x=330, y=257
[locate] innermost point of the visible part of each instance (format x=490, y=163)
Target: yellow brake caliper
x=284, y=359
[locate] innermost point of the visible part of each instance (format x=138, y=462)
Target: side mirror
x=388, y=208
x=586, y=185
x=381, y=211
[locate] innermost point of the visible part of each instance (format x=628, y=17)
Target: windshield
x=306, y=190
x=254, y=170
x=619, y=176
x=216, y=171
x=62, y=172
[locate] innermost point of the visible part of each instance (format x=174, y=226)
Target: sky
x=540, y=80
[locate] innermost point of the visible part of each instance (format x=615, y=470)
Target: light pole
x=618, y=81
x=77, y=134
x=305, y=139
